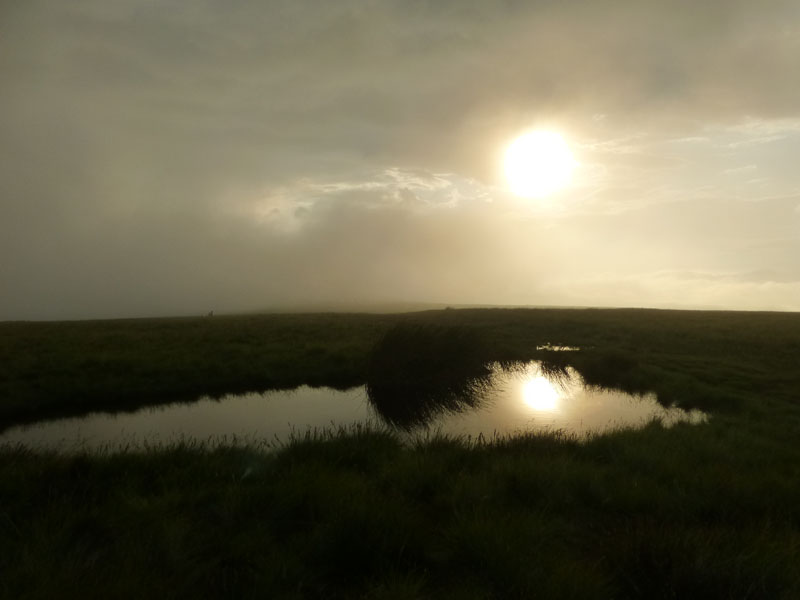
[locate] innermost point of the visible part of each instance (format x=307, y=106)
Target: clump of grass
x=419, y=371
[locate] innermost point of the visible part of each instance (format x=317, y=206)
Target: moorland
x=709, y=510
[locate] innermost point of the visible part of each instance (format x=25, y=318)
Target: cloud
x=351, y=251
x=683, y=290
x=160, y=158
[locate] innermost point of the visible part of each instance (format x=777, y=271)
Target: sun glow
x=539, y=394
x=538, y=163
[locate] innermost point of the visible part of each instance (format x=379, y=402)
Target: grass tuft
x=419, y=371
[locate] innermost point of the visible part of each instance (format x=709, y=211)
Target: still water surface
x=523, y=400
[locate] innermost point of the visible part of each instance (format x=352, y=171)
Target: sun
x=538, y=163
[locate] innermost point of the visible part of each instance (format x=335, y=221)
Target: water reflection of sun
x=539, y=394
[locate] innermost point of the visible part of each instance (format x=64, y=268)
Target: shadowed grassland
x=704, y=359
x=70, y=368
x=708, y=511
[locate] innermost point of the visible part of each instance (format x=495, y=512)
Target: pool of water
x=523, y=399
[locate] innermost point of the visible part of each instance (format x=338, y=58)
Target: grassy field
x=709, y=511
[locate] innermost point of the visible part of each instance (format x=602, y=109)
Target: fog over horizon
x=166, y=158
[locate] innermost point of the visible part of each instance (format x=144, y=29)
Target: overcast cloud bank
x=173, y=158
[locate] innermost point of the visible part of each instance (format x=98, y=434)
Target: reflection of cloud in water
x=526, y=397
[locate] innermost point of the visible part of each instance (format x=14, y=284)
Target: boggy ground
x=69, y=368
x=708, y=511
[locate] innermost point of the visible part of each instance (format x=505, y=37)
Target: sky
x=172, y=158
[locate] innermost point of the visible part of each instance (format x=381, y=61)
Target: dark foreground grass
x=690, y=512
x=708, y=511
